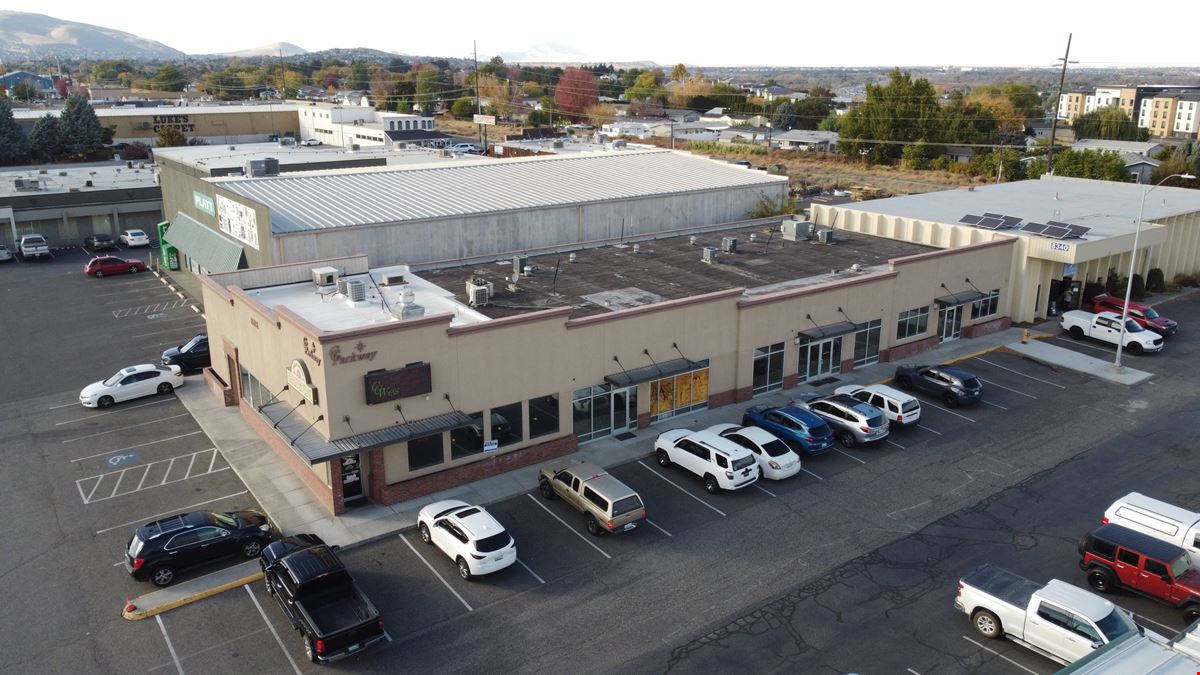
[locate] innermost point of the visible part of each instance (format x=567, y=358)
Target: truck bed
x=1002, y=584
x=337, y=608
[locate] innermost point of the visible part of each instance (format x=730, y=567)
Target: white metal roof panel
x=340, y=198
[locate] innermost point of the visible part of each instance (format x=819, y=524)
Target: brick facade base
x=218, y=387
x=643, y=420
x=743, y=394
x=981, y=329
x=443, y=480
x=325, y=494
x=722, y=398
x=790, y=380
x=848, y=366
x=909, y=350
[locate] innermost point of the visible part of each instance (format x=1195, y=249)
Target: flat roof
x=573, y=145
x=330, y=311
x=349, y=197
x=614, y=277
x=211, y=157
x=1108, y=207
x=65, y=178
x=165, y=109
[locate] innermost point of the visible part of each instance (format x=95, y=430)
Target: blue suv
x=797, y=427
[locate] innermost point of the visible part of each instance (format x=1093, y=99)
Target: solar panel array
x=1052, y=229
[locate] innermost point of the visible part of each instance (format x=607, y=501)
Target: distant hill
x=25, y=35
x=273, y=49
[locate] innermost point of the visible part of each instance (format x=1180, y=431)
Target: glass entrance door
x=950, y=323
x=624, y=409
x=820, y=359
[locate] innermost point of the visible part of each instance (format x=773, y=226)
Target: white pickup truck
x=1059, y=621
x=1106, y=326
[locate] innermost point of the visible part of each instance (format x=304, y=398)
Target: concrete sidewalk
x=293, y=508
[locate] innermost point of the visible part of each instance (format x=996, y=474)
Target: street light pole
x=1133, y=259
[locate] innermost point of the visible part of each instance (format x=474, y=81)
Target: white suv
x=468, y=535
x=901, y=409
x=723, y=464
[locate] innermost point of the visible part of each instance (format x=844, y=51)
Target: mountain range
x=31, y=36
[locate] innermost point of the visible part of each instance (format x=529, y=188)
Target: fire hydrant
x=1025, y=336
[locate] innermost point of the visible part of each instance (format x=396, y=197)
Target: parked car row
x=1145, y=330
x=1143, y=545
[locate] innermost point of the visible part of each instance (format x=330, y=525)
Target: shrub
x=135, y=151
x=1139, y=288
x=1187, y=280
x=1115, y=283
x=1155, y=283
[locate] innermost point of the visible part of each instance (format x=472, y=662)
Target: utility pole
x=1062, y=78
x=478, y=105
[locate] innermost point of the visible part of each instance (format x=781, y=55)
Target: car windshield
x=1116, y=624
x=218, y=518
x=493, y=543
x=192, y=343
x=971, y=383
x=1181, y=565
x=776, y=448
x=115, y=378
x=1149, y=313
x=742, y=463
x=135, y=546
x=1132, y=326
x=623, y=506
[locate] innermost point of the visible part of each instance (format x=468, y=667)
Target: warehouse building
x=390, y=383
x=1067, y=231
x=215, y=124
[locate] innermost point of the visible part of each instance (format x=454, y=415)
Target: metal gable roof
x=360, y=197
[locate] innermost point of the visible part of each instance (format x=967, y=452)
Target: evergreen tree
x=46, y=137
x=81, y=130
x=14, y=147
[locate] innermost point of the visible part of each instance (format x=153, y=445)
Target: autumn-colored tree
x=63, y=86
x=576, y=92
x=1010, y=122
x=170, y=137
x=600, y=114
x=689, y=90
x=497, y=91
x=679, y=73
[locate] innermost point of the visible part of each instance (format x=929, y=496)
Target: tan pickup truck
x=607, y=504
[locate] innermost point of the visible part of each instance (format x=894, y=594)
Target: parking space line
x=1017, y=372
x=1084, y=344
x=1021, y=393
x=65, y=405
x=143, y=480
x=148, y=309
x=131, y=426
x=139, y=445
x=811, y=473
x=995, y=405
x=120, y=477
x=912, y=671
x=189, y=507
x=93, y=490
x=212, y=461
x=435, y=572
x=932, y=431
x=535, y=576
x=112, y=412
x=680, y=488
x=755, y=484
x=572, y=530
x=120, y=474
x=860, y=461
x=193, y=461
x=946, y=410
x=1170, y=631
x=993, y=651
x=210, y=648
x=258, y=606
x=170, y=647
x=891, y=442
x=658, y=527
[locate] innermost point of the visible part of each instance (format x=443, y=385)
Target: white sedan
x=134, y=238
x=132, y=382
x=309, y=142
x=776, y=460
x=468, y=535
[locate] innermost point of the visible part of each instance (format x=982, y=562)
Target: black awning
x=827, y=331
x=647, y=373
x=961, y=298
x=402, y=432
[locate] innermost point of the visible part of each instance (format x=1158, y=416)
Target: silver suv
x=852, y=421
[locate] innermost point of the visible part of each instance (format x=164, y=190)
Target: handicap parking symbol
x=154, y=316
x=118, y=460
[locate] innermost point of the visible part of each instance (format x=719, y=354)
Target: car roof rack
x=165, y=525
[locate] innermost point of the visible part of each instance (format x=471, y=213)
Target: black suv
x=190, y=356
x=159, y=550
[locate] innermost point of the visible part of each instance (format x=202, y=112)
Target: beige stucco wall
x=216, y=127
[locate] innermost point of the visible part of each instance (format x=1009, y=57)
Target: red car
x=1144, y=315
x=107, y=264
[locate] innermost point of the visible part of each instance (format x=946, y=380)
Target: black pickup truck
x=320, y=598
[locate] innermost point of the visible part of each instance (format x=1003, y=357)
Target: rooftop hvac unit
x=354, y=147
x=271, y=164
x=618, y=144
x=825, y=236
x=342, y=288
x=710, y=255
x=445, y=152
x=394, y=280
x=408, y=306
x=479, y=292
x=255, y=168
x=520, y=262
x=324, y=276
x=728, y=244
x=356, y=290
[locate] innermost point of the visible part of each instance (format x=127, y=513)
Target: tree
x=1109, y=122
x=679, y=73
x=360, y=76
x=463, y=108
x=23, y=91
x=1083, y=164
x=428, y=88
x=81, y=130
x=916, y=155
x=902, y=110
x=647, y=86
x=576, y=92
x=14, y=147
x=1005, y=161
x=600, y=114
x=1170, y=168
x=537, y=118
x=965, y=122
x=168, y=78
x=832, y=122
x=785, y=117
x=811, y=111
x=170, y=137
x=46, y=138
x=496, y=68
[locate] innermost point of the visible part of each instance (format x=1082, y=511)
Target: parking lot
x=78, y=480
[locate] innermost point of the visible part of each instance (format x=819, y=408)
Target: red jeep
x=1144, y=315
x=1115, y=556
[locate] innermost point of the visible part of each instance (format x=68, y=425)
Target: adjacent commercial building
x=214, y=124
x=1065, y=230
x=390, y=383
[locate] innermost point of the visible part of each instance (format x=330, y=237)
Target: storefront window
x=866, y=342
x=680, y=394
x=425, y=451
x=543, y=416
x=468, y=440
x=912, y=322
x=506, y=424
x=768, y=368
x=253, y=390
x=592, y=412
x=987, y=306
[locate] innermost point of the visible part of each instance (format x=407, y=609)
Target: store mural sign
x=204, y=203
x=388, y=385
x=238, y=221
x=300, y=381
x=360, y=353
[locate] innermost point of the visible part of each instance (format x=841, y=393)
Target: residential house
x=688, y=131
x=1143, y=148
x=809, y=141
x=961, y=154
x=629, y=129
x=1140, y=167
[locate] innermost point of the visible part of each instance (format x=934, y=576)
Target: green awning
x=212, y=250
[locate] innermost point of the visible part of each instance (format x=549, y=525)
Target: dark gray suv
x=853, y=422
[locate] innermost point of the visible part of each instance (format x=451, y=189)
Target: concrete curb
x=139, y=614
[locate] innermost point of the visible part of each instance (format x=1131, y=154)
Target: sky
x=699, y=32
